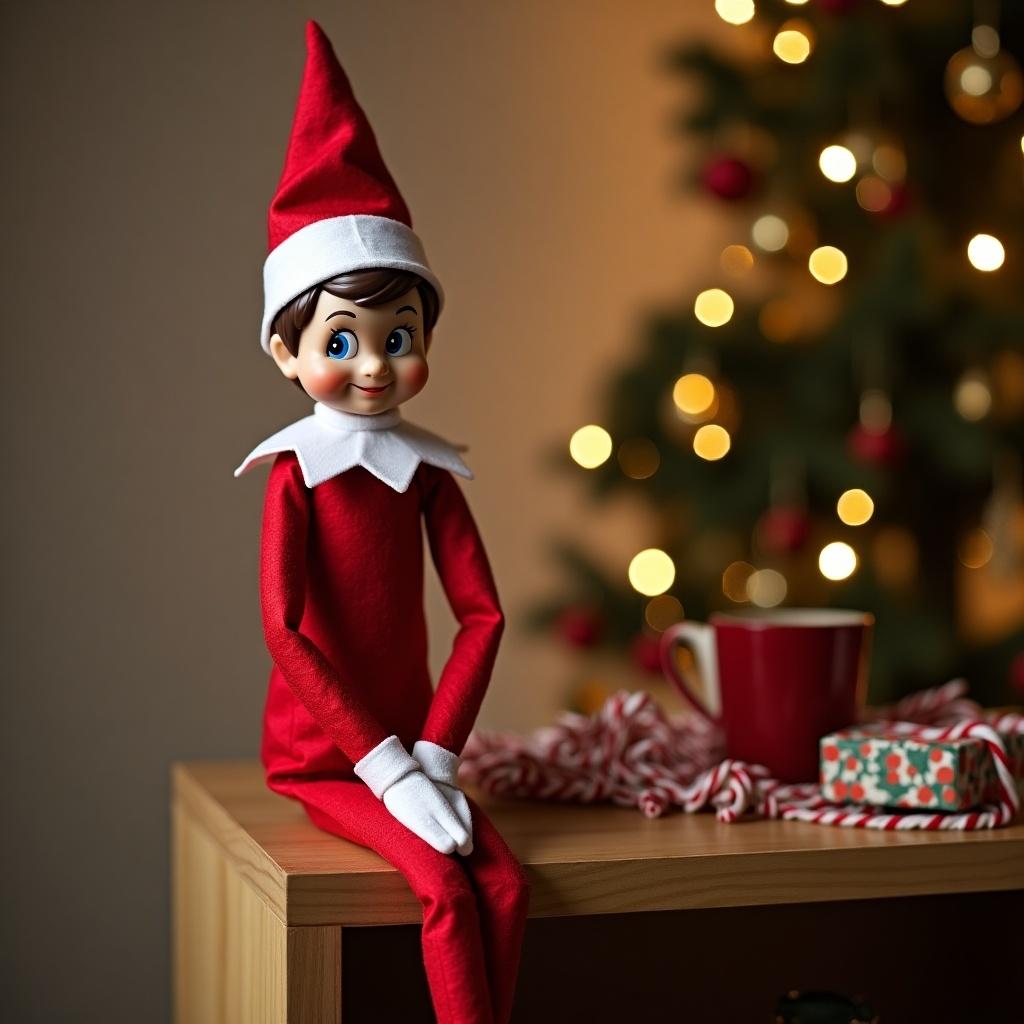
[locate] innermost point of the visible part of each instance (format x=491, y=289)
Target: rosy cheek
x=325, y=380
x=417, y=375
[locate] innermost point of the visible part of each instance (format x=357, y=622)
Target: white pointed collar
x=330, y=442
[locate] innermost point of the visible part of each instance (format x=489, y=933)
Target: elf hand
x=441, y=766
x=396, y=779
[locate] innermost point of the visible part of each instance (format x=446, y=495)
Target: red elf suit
x=341, y=585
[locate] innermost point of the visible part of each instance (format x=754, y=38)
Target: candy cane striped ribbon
x=634, y=755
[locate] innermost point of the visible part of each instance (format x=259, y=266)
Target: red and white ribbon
x=634, y=755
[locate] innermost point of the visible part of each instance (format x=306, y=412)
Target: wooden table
x=261, y=896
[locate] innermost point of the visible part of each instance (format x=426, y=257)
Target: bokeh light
x=639, y=458
x=693, y=394
x=712, y=442
x=793, y=42
x=873, y=194
x=985, y=40
x=837, y=163
x=590, y=446
x=713, y=307
x=973, y=396
x=734, y=581
x=985, y=252
x=976, y=549
x=837, y=561
x=766, y=588
x=889, y=162
x=975, y=79
x=662, y=612
x=827, y=264
x=770, y=233
x=855, y=507
x=736, y=260
x=651, y=572
x=735, y=12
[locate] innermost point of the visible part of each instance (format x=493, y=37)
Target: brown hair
x=364, y=288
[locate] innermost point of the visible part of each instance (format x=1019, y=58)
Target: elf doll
x=353, y=728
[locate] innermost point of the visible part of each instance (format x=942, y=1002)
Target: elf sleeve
x=465, y=574
x=333, y=704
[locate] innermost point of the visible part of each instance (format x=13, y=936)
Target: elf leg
x=503, y=897
x=453, y=953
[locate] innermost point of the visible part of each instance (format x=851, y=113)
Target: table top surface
x=593, y=858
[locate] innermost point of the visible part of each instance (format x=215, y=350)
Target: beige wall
x=142, y=143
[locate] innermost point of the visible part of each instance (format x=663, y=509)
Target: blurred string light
x=837, y=561
x=976, y=549
x=736, y=260
x=855, y=507
x=973, y=396
x=894, y=3
x=827, y=264
x=985, y=252
x=651, y=572
x=793, y=42
x=766, y=588
x=639, y=458
x=713, y=307
x=796, y=3
x=837, y=163
x=735, y=12
x=712, y=442
x=590, y=446
x=662, y=611
x=734, y=581
x=693, y=394
x=770, y=233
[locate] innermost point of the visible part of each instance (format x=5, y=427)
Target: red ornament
x=783, y=529
x=581, y=627
x=727, y=177
x=838, y=6
x=875, y=447
x=1017, y=673
x=645, y=651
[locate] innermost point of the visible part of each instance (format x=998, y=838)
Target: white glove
x=395, y=778
x=441, y=766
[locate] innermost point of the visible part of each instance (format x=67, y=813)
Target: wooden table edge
x=253, y=863
x=574, y=887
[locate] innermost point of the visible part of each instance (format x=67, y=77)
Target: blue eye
x=399, y=341
x=342, y=345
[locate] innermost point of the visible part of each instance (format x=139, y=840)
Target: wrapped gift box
x=886, y=768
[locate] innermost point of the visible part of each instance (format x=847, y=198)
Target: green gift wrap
x=886, y=768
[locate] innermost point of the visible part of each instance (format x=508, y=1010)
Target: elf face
x=360, y=359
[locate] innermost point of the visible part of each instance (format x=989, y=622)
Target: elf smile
x=374, y=391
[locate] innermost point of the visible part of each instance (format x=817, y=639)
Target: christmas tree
x=835, y=415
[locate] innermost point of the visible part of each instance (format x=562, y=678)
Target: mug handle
x=700, y=638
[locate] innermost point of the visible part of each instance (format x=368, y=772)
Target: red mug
x=775, y=682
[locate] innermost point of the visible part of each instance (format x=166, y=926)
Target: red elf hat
x=336, y=208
